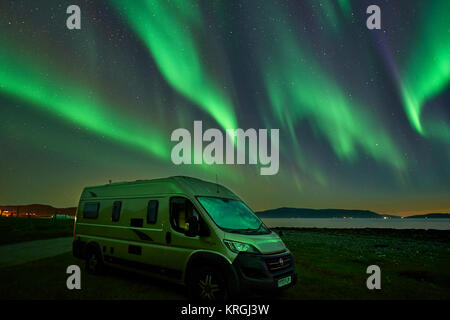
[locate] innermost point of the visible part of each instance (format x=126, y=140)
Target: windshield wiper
x=252, y=229
x=246, y=230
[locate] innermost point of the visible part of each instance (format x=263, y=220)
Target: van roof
x=163, y=186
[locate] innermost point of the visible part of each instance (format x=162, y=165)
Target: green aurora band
x=300, y=90
x=34, y=81
x=328, y=11
x=345, y=6
x=167, y=30
x=427, y=72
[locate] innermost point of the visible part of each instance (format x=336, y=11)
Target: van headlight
x=240, y=247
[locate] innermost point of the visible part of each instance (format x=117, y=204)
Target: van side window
x=117, y=206
x=90, y=210
x=152, y=211
x=181, y=209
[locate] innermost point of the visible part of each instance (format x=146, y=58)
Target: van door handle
x=168, y=237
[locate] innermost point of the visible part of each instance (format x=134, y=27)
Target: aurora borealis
x=364, y=115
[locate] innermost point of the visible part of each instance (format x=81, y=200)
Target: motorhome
x=182, y=229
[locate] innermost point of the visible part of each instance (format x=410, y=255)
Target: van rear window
x=90, y=210
x=152, y=211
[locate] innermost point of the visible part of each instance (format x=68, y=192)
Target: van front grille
x=279, y=263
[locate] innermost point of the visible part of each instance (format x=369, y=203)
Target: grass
x=13, y=230
x=331, y=264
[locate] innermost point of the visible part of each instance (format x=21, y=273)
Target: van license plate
x=284, y=281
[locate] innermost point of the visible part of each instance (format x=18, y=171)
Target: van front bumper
x=262, y=272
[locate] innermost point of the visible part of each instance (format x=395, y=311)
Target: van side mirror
x=192, y=226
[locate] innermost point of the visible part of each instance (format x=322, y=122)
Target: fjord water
x=348, y=223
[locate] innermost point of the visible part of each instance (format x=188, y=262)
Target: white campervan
x=182, y=229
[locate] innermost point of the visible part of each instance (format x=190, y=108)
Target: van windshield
x=232, y=215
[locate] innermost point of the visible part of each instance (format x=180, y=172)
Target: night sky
x=364, y=115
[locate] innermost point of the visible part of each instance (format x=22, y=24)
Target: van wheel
x=208, y=284
x=94, y=262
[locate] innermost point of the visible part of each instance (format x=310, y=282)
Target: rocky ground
x=331, y=264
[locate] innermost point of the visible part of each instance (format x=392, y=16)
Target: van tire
x=94, y=261
x=208, y=283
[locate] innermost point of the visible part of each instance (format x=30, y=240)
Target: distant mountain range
x=42, y=210
x=35, y=210
x=431, y=216
x=335, y=213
